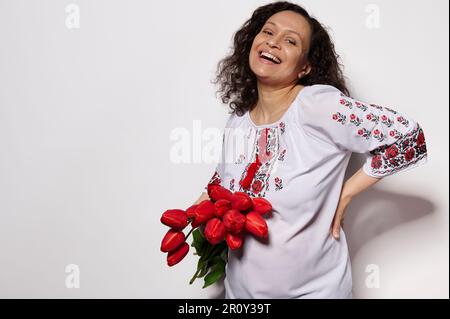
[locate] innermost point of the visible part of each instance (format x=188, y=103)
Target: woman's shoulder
x=316, y=91
x=234, y=119
x=317, y=100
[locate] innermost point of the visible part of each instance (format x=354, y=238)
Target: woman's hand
x=338, y=220
x=359, y=182
x=202, y=197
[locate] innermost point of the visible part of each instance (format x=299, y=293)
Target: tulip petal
x=203, y=213
x=241, y=201
x=234, y=221
x=215, y=231
x=256, y=225
x=222, y=206
x=175, y=256
x=261, y=205
x=234, y=241
x=217, y=192
x=172, y=240
x=175, y=218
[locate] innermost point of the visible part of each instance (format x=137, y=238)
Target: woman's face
x=279, y=51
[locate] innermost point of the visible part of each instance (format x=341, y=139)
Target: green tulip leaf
x=217, y=271
x=199, y=241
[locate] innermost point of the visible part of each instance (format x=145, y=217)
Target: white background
x=85, y=122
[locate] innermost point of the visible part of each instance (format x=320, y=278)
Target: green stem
x=207, y=252
x=194, y=277
x=189, y=233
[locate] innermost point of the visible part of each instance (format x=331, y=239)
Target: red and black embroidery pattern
x=282, y=127
x=278, y=183
x=255, y=177
x=406, y=151
x=215, y=179
x=355, y=120
x=281, y=156
x=383, y=123
x=232, y=185
x=339, y=117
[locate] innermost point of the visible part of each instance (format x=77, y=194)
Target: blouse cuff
x=407, y=152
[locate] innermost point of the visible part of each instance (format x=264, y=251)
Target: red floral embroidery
x=378, y=135
x=396, y=134
x=355, y=120
x=255, y=177
x=215, y=179
x=281, y=156
x=346, y=103
x=409, y=155
x=232, y=185
x=282, y=127
x=390, y=110
x=376, y=161
x=376, y=106
x=339, y=117
x=257, y=186
x=391, y=151
x=420, y=139
x=373, y=118
x=386, y=121
x=364, y=133
x=406, y=151
x=402, y=120
x=278, y=183
x=361, y=106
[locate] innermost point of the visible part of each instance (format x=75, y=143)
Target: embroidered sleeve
x=391, y=141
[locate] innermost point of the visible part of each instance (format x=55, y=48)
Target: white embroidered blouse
x=303, y=158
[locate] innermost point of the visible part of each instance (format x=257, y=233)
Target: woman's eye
x=267, y=32
x=291, y=41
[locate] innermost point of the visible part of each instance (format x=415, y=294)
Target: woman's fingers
x=338, y=222
x=336, y=226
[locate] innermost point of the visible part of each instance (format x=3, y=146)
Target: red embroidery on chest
x=253, y=168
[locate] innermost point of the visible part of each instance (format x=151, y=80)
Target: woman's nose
x=272, y=43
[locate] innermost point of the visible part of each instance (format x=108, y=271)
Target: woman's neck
x=273, y=102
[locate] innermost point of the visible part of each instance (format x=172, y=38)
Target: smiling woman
x=285, y=88
x=287, y=32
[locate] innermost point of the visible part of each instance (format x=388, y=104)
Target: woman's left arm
x=391, y=142
x=356, y=184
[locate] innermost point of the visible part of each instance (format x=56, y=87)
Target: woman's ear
x=305, y=71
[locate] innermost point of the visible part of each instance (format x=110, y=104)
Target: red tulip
x=261, y=205
x=222, y=206
x=203, y=212
x=175, y=218
x=215, y=231
x=175, y=256
x=234, y=221
x=216, y=192
x=234, y=241
x=190, y=212
x=172, y=240
x=256, y=225
x=241, y=201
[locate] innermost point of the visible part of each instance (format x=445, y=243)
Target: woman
x=287, y=93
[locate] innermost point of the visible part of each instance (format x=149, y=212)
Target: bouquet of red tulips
x=217, y=224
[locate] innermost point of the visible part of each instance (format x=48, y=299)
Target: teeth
x=270, y=56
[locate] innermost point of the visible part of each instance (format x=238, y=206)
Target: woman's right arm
x=202, y=197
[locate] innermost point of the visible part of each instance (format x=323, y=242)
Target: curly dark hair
x=237, y=82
